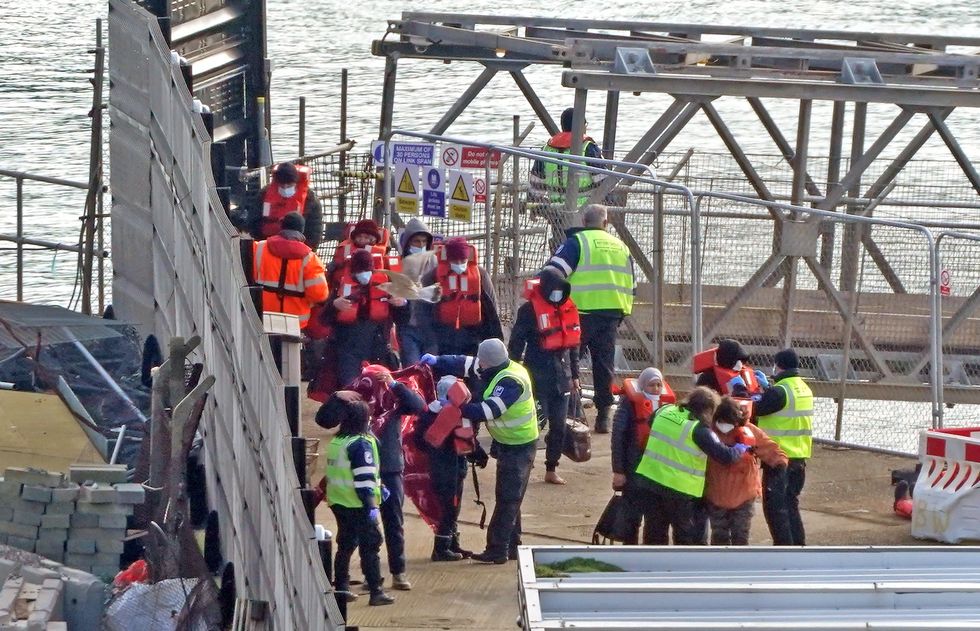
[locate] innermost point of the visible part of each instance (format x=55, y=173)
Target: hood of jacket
x=413, y=227
x=551, y=279
x=285, y=247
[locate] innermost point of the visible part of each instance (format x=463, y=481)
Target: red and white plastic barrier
x=946, y=500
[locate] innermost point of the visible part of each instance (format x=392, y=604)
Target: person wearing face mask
x=730, y=491
x=415, y=337
x=671, y=473
x=363, y=235
x=641, y=398
x=467, y=311
x=361, y=315
x=289, y=272
x=508, y=409
x=288, y=192
x=600, y=269
x=725, y=370
x=785, y=412
x=546, y=336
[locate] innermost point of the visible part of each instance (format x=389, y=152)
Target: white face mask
x=458, y=268
x=556, y=296
x=724, y=428
x=415, y=250
x=363, y=277
x=738, y=366
x=652, y=398
x=775, y=370
x=287, y=191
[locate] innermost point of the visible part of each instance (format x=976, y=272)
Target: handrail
x=20, y=175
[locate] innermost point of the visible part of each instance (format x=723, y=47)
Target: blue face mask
x=363, y=277
x=287, y=191
x=458, y=268
x=415, y=250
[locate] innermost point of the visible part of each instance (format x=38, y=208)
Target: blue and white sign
x=434, y=192
x=417, y=153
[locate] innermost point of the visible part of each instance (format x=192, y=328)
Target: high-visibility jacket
x=460, y=305
x=518, y=425
x=558, y=324
x=275, y=206
x=792, y=427
x=603, y=277
x=369, y=295
x=291, y=276
x=556, y=175
x=643, y=408
x=341, y=487
x=672, y=458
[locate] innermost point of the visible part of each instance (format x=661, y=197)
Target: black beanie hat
x=293, y=221
x=285, y=173
x=787, y=359
x=729, y=352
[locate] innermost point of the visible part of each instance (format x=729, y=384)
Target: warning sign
x=479, y=189
x=450, y=156
x=407, y=189
x=944, y=283
x=461, y=197
x=434, y=193
x=465, y=157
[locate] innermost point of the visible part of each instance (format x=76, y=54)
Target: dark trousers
x=359, y=342
x=514, y=463
x=413, y=342
x=634, y=501
x=448, y=476
x=356, y=532
x=730, y=526
x=781, y=502
x=452, y=341
x=599, y=336
x=554, y=405
x=665, y=510
x=393, y=521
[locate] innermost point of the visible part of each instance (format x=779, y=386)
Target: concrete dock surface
x=847, y=500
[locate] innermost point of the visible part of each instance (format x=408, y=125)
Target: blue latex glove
x=385, y=493
x=735, y=382
x=374, y=515
x=756, y=397
x=428, y=359
x=761, y=378
x=741, y=447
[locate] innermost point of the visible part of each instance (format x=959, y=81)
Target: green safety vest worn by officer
x=671, y=457
x=341, y=486
x=518, y=425
x=603, y=277
x=792, y=427
x=556, y=178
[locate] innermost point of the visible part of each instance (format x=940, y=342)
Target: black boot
x=441, y=549
x=602, y=421
x=455, y=547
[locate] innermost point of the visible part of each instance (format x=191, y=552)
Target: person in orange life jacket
x=448, y=470
x=600, y=319
x=664, y=507
x=364, y=235
x=731, y=358
x=511, y=417
x=626, y=449
x=730, y=491
x=448, y=318
x=352, y=460
x=418, y=259
x=289, y=272
x=554, y=370
x=392, y=465
x=361, y=317
x=288, y=192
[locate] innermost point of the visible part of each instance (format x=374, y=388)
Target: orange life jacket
x=378, y=308
x=705, y=360
x=460, y=305
x=275, y=206
x=643, y=408
x=558, y=325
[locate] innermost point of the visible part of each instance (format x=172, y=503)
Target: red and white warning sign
x=456, y=156
x=479, y=189
x=944, y=283
x=450, y=156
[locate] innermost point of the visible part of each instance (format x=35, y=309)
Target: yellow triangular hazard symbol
x=459, y=191
x=406, y=185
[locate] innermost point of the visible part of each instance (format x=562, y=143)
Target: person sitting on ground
x=730, y=491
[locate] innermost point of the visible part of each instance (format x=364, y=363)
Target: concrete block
x=36, y=493
x=24, y=543
x=52, y=534
x=130, y=493
x=104, y=509
x=60, y=508
x=36, y=477
x=85, y=533
x=6, y=513
x=78, y=560
x=7, y=567
x=28, y=506
x=107, y=571
x=66, y=494
x=27, y=518
x=83, y=599
x=9, y=593
x=38, y=575
x=112, y=521
x=55, y=521
x=18, y=530
x=56, y=626
x=3, y=538
x=86, y=520
x=101, y=474
x=109, y=547
x=52, y=550
x=81, y=546
x=49, y=598
x=97, y=494
x=9, y=490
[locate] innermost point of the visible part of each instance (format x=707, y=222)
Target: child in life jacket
x=725, y=370
x=731, y=490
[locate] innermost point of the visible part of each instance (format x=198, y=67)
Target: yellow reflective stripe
x=604, y=287
x=789, y=432
x=266, y=209
x=259, y=252
x=313, y=282
x=673, y=464
x=514, y=422
x=622, y=269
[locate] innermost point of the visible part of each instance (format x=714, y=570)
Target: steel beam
x=578, y=133
x=960, y=316
x=609, y=125
x=777, y=136
x=464, y=100
x=532, y=98
x=799, y=179
x=938, y=121
x=833, y=175
x=744, y=293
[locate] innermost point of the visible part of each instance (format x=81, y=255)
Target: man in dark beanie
x=728, y=376
x=467, y=311
x=289, y=191
x=785, y=413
